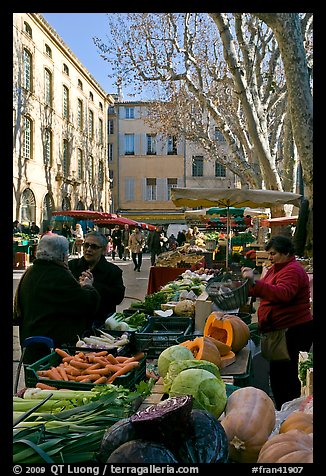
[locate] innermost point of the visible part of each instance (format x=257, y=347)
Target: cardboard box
x=203, y=308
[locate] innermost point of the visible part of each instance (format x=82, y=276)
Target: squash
x=248, y=422
x=294, y=447
x=297, y=421
x=223, y=348
x=229, y=329
x=203, y=348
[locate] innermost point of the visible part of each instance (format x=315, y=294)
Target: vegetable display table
x=159, y=276
x=240, y=372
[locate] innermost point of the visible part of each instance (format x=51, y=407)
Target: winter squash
x=248, y=422
x=297, y=421
x=294, y=447
x=227, y=328
x=223, y=348
x=204, y=349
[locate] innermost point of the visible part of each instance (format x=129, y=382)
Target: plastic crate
x=230, y=389
x=161, y=333
x=129, y=380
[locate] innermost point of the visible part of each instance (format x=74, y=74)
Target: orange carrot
x=94, y=366
x=135, y=358
x=43, y=386
x=124, y=370
x=62, y=353
x=73, y=371
x=67, y=359
x=102, y=371
x=102, y=353
x=62, y=372
x=100, y=380
x=112, y=359
x=42, y=373
x=78, y=364
x=121, y=358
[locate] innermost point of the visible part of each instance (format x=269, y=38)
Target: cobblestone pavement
x=136, y=288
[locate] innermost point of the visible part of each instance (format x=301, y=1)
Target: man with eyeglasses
x=107, y=276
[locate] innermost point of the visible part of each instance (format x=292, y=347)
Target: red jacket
x=284, y=294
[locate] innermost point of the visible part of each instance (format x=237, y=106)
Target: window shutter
x=161, y=144
x=121, y=112
x=144, y=144
x=129, y=188
x=143, y=189
x=162, y=189
x=180, y=146
x=122, y=145
x=137, y=144
x=180, y=182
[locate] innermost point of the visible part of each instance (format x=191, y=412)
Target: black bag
x=273, y=345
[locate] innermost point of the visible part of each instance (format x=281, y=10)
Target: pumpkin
x=227, y=328
x=223, y=348
x=297, y=421
x=294, y=447
x=203, y=348
x=248, y=422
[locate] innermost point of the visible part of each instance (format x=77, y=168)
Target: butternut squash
x=248, y=422
x=294, y=447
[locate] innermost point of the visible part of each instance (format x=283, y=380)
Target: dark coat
x=108, y=282
x=53, y=304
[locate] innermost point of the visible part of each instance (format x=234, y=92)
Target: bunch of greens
x=152, y=302
x=304, y=365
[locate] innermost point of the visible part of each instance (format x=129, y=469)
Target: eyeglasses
x=92, y=246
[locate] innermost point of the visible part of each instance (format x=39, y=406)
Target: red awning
x=84, y=214
x=279, y=221
x=115, y=221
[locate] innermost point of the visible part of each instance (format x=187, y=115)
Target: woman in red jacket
x=284, y=294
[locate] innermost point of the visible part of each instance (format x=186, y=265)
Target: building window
x=130, y=112
x=65, y=69
x=48, y=51
x=111, y=110
x=197, y=166
x=100, y=105
x=28, y=29
x=65, y=102
x=172, y=182
x=91, y=96
x=218, y=135
x=90, y=168
x=65, y=164
x=27, y=144
x=151, y=144
x=151, y=189
x=47, y=148
x=90, y=124
x=129, y=144
x=80, y=114
x=27, y=58
x=172, y=145
x=80, y=84
x=220, y=170
x=110, y=152
x=100, y=175
x=100, y=131
x=79, y=163
x=111, y=126
x=47, y=87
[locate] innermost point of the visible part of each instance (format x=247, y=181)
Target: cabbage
x=178, y=366
x=174, y=352
x=208, y=391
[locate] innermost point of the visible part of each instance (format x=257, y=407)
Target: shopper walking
x=136, y=245
x=125, y=242
x=155, y=244
x=116, y=236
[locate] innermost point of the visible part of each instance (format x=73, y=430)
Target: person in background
x=125, y=242
x=181, y=237
x=116, y=236
x=107, y=276
x=154, y=243
x=66, y=231
x=16, y=227
x=48, y=231
x=172, y=243
x=284, y=294
x=79, y=238
x=136, y=245
x=50, y=302
x=34, y=229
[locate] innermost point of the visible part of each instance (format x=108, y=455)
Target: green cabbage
x=178, y=366
x=174, y=352
x=208, y=391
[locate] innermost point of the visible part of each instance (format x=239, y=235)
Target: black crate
x=162, y=332
x=129, y=380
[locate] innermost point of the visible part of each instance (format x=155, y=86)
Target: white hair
x=52, y=248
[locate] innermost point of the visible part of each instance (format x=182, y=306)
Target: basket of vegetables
x=227, y=293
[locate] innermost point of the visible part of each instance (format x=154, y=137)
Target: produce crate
x=130, y=380
x=161, y=333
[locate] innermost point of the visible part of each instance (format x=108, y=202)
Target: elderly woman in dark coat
x=50, y=302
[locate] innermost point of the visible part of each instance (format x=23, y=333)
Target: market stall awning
x=107, y=222
x=222, y=212
x=84, y=214
x=279, y=221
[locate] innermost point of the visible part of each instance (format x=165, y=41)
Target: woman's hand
x=86, y=278
x=248, y=273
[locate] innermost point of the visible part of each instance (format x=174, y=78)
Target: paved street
x=136, y=287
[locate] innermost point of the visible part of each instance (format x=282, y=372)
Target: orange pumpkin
x=204, y=349
x=229, y=329
x=293, y=447
x=297, y=421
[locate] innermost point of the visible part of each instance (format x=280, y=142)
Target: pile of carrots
x=91, y=367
